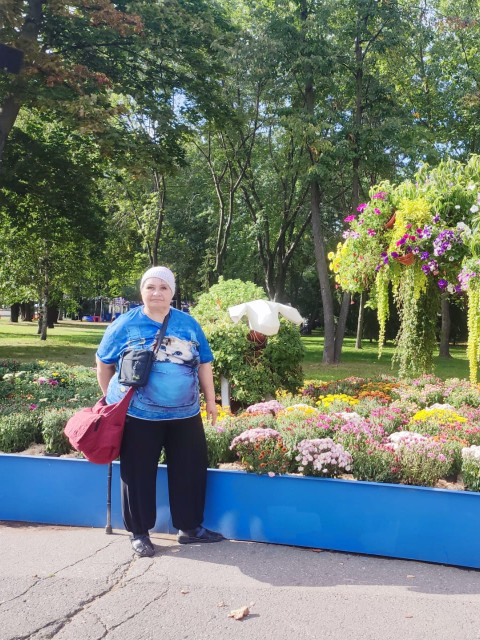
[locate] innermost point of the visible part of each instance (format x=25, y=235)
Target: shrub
x=463, y=392
x=19, y=430
x=322, y=457
x=424, y=462
x=262, y=451
x=271, y=407
x=296, y=427
x=219, y=439
x=389, y=418
x=253, y=374
x=358, y=433
x=471, y=468
x=53, y=423
x=375, y=462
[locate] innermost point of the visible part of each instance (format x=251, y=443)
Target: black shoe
x=200, y=534
x=142, y=545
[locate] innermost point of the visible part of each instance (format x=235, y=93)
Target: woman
x=164, y=413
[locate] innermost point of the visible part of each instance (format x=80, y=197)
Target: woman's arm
x=104, y=373
x=205, y=377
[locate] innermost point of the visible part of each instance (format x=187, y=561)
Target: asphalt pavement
x=72, y=583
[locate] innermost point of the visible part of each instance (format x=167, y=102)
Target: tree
x=52, y=228
x=54, y=38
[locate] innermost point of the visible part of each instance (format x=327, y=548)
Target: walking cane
x=108, y=528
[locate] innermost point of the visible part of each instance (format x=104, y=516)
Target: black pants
x=186, y=452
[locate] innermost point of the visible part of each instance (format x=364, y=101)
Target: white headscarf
x=160, y=272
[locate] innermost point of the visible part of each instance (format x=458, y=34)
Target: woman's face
x=156, y=295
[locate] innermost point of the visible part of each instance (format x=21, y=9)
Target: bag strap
x=127, y=397
x=161, y=334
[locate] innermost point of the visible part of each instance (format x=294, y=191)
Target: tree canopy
x=221, y=138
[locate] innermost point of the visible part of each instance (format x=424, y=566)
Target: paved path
x=72, y=583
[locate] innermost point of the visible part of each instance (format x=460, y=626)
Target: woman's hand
x=212, y=411
x=205, y=377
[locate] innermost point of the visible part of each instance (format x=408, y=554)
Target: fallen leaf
x=252, y=604
x=410, y=576
x=174, y=550
x=408, y=616
x=221, y=604
x=238, y=614
x=184, y=591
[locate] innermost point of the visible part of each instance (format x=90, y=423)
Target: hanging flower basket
x=390, y=223
x=407, y=259
x=258, y=339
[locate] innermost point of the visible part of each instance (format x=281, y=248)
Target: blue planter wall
x=419, y=523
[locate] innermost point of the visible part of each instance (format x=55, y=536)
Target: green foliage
x=53, y=423
x=19, y=430
x=40, y=386
x=425, y=463
x=374, y=463
x=416, y=339
x=471, y=468
x=262, y=451
x=219, y=438
x=253, y=374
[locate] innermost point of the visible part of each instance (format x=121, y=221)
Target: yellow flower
x=330, y=255
x=438, y=415
x=306, y=409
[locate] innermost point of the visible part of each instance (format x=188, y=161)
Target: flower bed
x=376, y=436
x=419, y=432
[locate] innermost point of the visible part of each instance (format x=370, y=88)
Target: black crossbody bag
x=136, y=364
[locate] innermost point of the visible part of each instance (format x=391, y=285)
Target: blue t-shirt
x=172, y=390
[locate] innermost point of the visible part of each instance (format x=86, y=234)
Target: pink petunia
x=349, y=218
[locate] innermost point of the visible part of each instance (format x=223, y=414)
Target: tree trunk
x=14, y=312
x=43, y=312
x=8, y=114
x=178, y=293
x=161, y=190
x=27, y=311
x=361, y=316
x=10, y=105
x=52, y=316
x=329, y=350
x=341, y=326
x=444, y=349
x=322, y=271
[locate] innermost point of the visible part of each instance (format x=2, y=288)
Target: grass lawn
x=71, y=342
x=365, y=363
x=75, y=342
